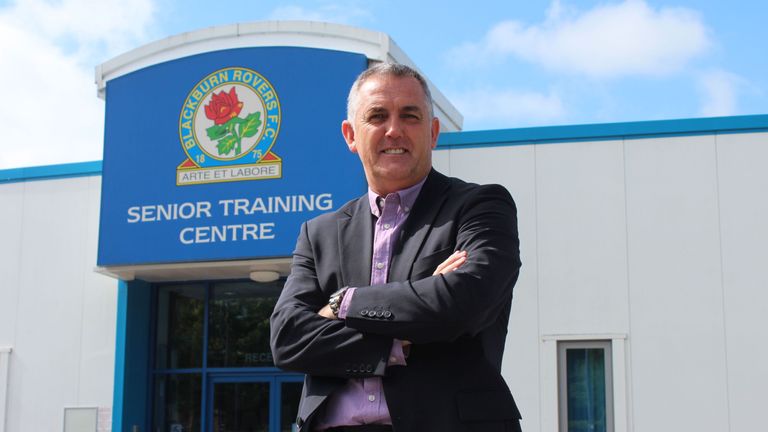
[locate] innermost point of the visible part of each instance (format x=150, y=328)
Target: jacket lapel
x=356, y=244
x=418, y=225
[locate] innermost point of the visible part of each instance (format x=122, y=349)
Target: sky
x=504, y=64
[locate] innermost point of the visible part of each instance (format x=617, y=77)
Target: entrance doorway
x=213, y=369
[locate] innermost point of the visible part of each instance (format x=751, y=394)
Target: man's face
x=392, y=132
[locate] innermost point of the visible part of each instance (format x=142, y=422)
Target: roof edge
x=604, y=131
x=48, y=172
x=376, y=46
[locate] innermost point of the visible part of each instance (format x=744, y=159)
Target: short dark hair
x=387, y=69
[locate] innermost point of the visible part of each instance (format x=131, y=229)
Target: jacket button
x=379, y=314
x=364, y=312
x=387, y=314
x=371, y=314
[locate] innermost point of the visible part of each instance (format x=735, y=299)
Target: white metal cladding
x=661, y=239
x=55, y=311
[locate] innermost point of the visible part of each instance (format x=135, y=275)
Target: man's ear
x=435, y=131
x=349, y=135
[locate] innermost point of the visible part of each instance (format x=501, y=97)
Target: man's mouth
x=394, y=151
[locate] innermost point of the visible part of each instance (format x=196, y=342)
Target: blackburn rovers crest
x=227, y=127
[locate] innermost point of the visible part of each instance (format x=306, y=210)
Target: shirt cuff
x=396, y=354
x=344, y=306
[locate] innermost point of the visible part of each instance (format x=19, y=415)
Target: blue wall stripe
x=593, y=132
x=79, y=169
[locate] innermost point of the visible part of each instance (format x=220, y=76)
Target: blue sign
x=222, y=155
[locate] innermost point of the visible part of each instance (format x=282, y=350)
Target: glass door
x=253, y=403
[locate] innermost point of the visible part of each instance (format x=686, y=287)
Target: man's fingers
x=326, y=312
x=451, y=263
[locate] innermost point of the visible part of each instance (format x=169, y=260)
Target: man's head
x=391, y=126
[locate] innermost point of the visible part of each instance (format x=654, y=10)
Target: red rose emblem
x=223, y=107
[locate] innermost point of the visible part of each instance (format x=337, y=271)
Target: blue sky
x=504, y=64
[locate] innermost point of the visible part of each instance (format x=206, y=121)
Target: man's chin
x=395, y=179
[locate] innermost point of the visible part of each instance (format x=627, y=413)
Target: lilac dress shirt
x=362, y=401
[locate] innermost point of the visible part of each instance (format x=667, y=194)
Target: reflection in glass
x=238, y=326
x=586, y=390
x=241, y=407
x=290, y=394
x=177, y=403
x=180, y=326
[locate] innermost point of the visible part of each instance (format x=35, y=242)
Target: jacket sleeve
x=443, y=308
x=303, y=341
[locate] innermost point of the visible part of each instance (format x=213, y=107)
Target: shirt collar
x=407, y=197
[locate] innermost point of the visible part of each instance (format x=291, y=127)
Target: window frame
x=562, y=379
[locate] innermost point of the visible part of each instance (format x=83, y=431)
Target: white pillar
x=5, y=356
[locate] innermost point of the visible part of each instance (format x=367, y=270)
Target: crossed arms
x=445, y=298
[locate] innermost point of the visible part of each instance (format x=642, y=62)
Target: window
x=585, y=395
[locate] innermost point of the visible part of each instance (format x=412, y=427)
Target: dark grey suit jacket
x=457, y=321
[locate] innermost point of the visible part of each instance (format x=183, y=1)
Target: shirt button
x=380, y=265
x=387, y=226
x=393, y=359
x=407, y=209
x=371, y=397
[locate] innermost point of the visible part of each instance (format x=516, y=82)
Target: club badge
x=227, y=127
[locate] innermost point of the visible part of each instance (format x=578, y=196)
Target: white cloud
x=510, y=108
x=342, y=14
x=610, y=40
x=719, y=90
x=48, y=51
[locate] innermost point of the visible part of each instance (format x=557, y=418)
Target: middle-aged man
x=397, y=304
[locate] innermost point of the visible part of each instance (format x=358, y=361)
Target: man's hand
x=327, y=312
x=450, y=264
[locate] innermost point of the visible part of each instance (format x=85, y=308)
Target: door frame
x=272, y=376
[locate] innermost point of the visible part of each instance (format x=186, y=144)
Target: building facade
x=135, y=291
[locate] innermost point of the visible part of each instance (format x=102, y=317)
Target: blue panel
x=119, y=388
x=131, y=390
x=170, y=155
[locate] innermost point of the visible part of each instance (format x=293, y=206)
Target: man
x=397, y=304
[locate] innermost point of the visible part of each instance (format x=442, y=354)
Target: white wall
x=743, y=186
x=659, y=243
x=55, y=312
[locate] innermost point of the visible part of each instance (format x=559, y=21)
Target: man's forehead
x=380, y=92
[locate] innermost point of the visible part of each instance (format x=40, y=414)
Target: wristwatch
x=335, y=301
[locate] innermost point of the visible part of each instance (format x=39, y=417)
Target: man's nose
x=394, y=128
